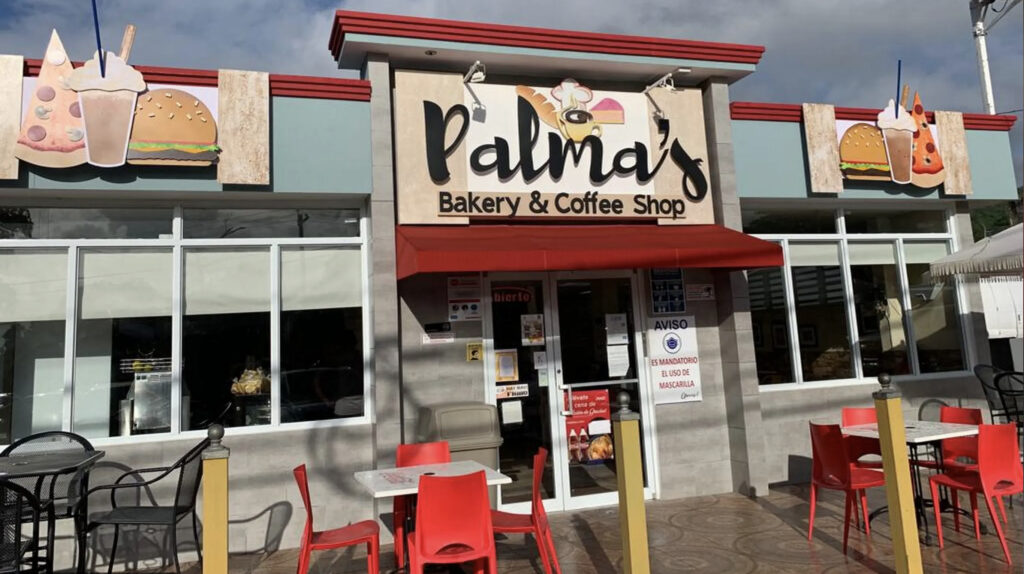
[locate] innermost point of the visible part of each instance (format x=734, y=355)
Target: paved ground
x=716, y=534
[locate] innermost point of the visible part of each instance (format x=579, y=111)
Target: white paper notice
x=616, y=329
x=618, y=360
x=511, y=412
x=599, y=427
x=540, y=360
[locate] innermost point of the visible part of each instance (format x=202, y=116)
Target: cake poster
x=900, y=147
x=105, y=114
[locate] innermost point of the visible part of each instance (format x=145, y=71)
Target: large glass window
x=820, y=311
x=226, y=337
x=770, y=327
x=123, y=351
x=321, y=334
x=33, y=303
x=858, y=299
x=167, y=335
x=933, y=310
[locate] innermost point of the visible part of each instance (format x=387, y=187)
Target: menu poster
x=674, y=360
x=532, y=330
x=588, y=430
x=464, y=298
x=506, y=366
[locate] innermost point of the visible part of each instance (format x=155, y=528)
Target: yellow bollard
x=215, y=503
x=906, y=546
x=630, y=473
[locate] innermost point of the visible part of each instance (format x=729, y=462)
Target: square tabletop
x=918, y=432
x=46, y=462
x=386, y=483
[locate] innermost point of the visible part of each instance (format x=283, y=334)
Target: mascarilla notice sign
x=673, y=359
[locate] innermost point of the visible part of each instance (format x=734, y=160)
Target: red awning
x=457, y=248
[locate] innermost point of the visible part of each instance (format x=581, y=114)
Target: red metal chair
x=536, y=522
x=365, y=532
x=859, y=446
x=999, y=474
x=413, y=455
x=832, y=468
x=453, y=524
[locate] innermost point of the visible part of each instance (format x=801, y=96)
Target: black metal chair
x=21, y=551
x=64, y=490
x=987, y=376
x=189, y=471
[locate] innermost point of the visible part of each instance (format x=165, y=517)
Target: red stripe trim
x=280, y=84
x=794, y=113
x=350, y=22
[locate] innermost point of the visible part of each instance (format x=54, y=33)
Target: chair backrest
x=16, y=504
x=960, y=415
x=540, y=516
x=986, y=375
x=438, y=527
x=831, y=464
x=423, y=453
x=47, y=442
x=859, y=416
x=999, y=456
x=191, y=474
x=303, y=482
x=961, y=446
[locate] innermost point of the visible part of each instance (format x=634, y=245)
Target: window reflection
x=84, y=223
x=876, y=293
x=256, y=223
x=770, y=329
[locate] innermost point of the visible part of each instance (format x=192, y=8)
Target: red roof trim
x=351, y=22
x=280, y=84
x=794, y=113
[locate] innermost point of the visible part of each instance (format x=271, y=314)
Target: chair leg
x=552, y=555
x=195, y=532
x=864, y=510
x=999, y=527
x=1002, y=507
x=974, y=515
x=955, y=496
x=174, y=547
x=938, y=509
x=113, y=549
x=542, y=543
x=810, y=519
x=373, y=556
x=846, y=518
x=303, y=559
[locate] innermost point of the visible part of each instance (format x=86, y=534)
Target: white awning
x=1001, y=254
x=1003, y=300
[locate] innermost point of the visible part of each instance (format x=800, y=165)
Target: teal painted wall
x=771, y=164
x=317, y=146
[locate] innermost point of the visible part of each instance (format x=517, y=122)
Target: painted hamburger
x=862, y=154
x=172, y=127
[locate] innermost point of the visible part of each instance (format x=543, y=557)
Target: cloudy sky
x=831, y=51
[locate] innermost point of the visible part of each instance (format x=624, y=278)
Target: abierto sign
x=499, y=151
x=673, y=360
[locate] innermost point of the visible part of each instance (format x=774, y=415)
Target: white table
x=388, y=483
x=919, y=433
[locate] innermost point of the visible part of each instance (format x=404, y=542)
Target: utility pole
x=979, y=9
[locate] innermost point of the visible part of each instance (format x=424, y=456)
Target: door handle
x=568, y=395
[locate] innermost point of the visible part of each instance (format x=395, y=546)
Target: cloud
x=827, y=51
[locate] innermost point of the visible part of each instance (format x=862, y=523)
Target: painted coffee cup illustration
x=107, y=100
x=577, y=124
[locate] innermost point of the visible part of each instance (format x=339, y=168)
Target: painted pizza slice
x=51, y=131
x=927, y=169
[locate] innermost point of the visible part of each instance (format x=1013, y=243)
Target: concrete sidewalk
x=714, y=534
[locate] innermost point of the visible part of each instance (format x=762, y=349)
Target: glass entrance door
x=561, y=347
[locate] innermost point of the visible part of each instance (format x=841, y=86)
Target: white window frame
x=844, y=239
x=177, y=245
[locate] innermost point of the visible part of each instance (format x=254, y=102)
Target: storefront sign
x=510, y=294
x=589, y=428
x=464, y=298
x=566, y=151
x=110, y=117
x=674, y=360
